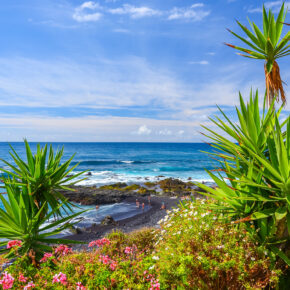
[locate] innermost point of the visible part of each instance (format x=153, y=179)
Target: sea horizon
x=130, y=162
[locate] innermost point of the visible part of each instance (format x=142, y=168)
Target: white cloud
x=194, y=13
x=143, y=130
x=273, y=5
x=88, y=11
x=92, y=11
x=165, y=132
x=102, y=83
x=201, y=62
x=121, y=30
x=49, y=129
x=135, y=12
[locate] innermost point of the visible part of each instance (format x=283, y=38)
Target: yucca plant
x=44, y=176
x=255, y=187
x=267, y=45
x=20, y=220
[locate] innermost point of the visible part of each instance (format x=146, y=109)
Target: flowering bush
x=14, y=244
x=196, y=250
x=6, y=281
x=106, y=266
x=99, y=243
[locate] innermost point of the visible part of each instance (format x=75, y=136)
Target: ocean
x=127, y=162
x=131, y=162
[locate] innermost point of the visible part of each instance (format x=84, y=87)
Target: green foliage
x=87, y=267
x=194, y=249
x=266, y=44
x=22, y=221
x=258, y=170
x=198, y=249
x=43, y=175
x=33, y=200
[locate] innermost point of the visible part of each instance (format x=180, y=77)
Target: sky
x=123, y=71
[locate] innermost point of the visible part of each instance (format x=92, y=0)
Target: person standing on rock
x=143, y=206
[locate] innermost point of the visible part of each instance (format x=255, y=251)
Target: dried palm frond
x=267, y=45
x=274, y=84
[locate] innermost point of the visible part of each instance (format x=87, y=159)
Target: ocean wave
x=111, y=162
x=108, y=177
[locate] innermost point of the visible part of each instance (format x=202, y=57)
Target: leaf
x=280, y=213
x=280, y=254
x=262, y=214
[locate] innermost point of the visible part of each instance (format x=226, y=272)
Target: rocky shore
x=167, y=192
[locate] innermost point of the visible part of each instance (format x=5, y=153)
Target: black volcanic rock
x=95, y=196
x=108, y=220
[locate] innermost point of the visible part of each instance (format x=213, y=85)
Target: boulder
x=108, y=220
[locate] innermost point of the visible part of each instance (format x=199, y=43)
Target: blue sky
x=113, y=70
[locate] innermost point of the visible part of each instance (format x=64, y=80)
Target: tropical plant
x=255, y=187
x=26, y=228
x=267, y=45
x=44, y=176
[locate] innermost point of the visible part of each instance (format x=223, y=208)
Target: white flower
x=253, y=259
x=155, y=258
x=152, y=267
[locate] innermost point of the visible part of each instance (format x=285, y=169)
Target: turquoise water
x=132, y=162
x=128, y=162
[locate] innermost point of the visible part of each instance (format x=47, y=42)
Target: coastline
x=148, y=219
x=168, y=191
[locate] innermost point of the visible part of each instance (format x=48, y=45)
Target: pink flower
x=63, y=250
x=104, y=259
x=29, y=285
x=128, y=250
x=59, y=278
x=22, y=278
x=99, y=243
x=14, y=243
x=80, y=286
x=113, y=265
x=155, y=285
x=46, y=256
x=7, y=281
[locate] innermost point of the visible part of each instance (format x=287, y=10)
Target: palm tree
x=267, y=45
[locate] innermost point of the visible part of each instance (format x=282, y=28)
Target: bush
x=121, y=261
x=194, y=249
x=197, y=250
x=255, y=157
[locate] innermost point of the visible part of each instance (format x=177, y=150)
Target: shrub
x=120, y=262
x=44, y=176
x=258, y=173
x=197, y=250
x=32, y=199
